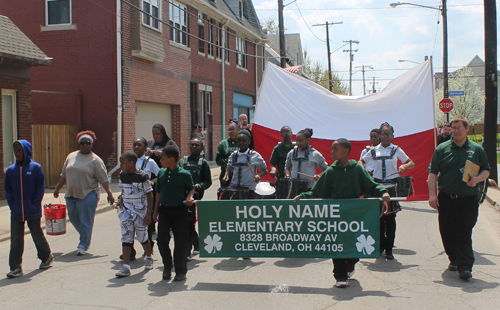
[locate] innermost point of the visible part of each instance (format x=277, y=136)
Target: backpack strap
x=185, y=162
x=145, y=163
x=394, y=150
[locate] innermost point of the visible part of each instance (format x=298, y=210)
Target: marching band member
x=374, y=140
x=244, y=163
x=280, y=151
x=385, y=156
x=226, y=148
x=305, y=159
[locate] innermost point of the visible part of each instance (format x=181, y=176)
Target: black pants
x=17, y=242
x=387, y=231
x=340, y=267
x=457, y=217
x=174, y=218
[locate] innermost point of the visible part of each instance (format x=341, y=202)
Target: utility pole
x=363, y=69
x=351, y=59
x=330, y=83
x=490, y=85
x=373, y=85
x=281, y=27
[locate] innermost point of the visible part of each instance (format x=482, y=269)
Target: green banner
x=317, y=228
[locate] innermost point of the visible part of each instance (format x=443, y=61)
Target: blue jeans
x=81, y=214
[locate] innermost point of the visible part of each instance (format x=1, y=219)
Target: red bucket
x=55, y=219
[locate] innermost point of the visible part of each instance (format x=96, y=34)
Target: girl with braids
x=305, y=159
x=160, y=140
x=241, y=161
x=385, y=156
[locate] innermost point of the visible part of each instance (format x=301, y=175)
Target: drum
x=229, y=193
x=289, y=188
x=393, y=206
x=405, y=186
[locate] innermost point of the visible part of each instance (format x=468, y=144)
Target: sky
x=385, y=34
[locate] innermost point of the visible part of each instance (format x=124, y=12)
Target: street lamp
x=445, y=37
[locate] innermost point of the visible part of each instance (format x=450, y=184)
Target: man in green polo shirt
x=457, y=201
x=225, y=149
x=280, y=151
x=174, y=192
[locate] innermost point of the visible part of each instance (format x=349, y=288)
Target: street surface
x=416, y=279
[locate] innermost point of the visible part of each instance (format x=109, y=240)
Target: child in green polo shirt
x=280, y=151
x=202, y=179
x=174, y=193
x=344, y=179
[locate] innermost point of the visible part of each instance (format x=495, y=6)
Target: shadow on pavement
x=430, y=210
x=404, y=252
x=355, y=290
x=382, y=264
x=136, y=277
x=235, y=264
x=194, y=263
x=72, y=257
x=23, y=279
x=451, y=279
x=259, y=288
x=164, y=287
x=480, y=259
x=296, y=262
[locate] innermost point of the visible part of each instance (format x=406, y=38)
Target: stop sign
x=446, y=105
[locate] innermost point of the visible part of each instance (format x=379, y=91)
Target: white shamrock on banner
x=213, y=243
x=365, y=244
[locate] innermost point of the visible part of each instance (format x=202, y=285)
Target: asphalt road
x=416, y=279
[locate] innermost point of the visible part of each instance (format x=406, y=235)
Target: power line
x=306, y=23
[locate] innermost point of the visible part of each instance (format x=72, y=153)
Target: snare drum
x=405, y=186
x=289, y=188
x=228, y=193
x=394, y=206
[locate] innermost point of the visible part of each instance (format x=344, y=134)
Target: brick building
x=118, y=74
x=17, y=55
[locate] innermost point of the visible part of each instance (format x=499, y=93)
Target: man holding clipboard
x=461, y=164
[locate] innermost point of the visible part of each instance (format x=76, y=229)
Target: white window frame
x=241, y=49
x=177, y=36
x=13, y=94
x=240, y=8
x=150, y=19
x=47, y=13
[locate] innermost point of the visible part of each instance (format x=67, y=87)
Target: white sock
x=126, y=266
x=150, y=257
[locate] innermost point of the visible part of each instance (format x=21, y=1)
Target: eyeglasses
x=231, y=129
x=457, y=128
x=386, y=134
x=85, y=143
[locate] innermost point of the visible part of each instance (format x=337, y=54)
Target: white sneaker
x=196, y=252
x=149, y=263
x=81, y=251
x=341, y=283
x=123, y=272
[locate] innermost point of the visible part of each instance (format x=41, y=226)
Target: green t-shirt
x=278, y=157
x=338, y=182
x=202, y=176
x=448, y=162
x=173, y=186
x=225, y=148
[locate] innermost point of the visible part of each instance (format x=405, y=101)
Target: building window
x=9, y=126
x=209, y=102
x=264, y=59
x=218, y=40
x=152, y=7
x=179, y=20
x=210, y=36
x=201, y=34
x=226, y=44
x=241, y=49
x=240, y=6
x=58, y=12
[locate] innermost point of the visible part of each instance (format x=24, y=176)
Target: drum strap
x=383, y=159
x=240, y=166
x=192, y=168
x=144, y=163
x=298, y=159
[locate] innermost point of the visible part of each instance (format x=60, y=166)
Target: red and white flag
x=407, y=103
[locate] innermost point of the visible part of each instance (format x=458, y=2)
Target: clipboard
x=471, y=168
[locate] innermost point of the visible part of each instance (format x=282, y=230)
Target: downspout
x=224, y=80
x=119, y=83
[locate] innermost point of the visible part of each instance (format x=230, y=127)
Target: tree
x=315, y=71
x=269, y=26
x=471, y=105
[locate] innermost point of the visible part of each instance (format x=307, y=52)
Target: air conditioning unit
x=200, y=19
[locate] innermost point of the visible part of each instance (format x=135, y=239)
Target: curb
x=27, y=231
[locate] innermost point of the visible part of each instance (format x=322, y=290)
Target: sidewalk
x=493, y=195
x=102, y=206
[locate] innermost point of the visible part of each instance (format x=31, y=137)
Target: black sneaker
x=167, y=274
x=389, y=255
x=452, y=267
x=465, y=274
x=179, y=277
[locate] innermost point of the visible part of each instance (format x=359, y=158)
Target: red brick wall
x=84, y=62
x=23, y=101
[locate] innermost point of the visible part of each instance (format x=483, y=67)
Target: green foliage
x=314, y=70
